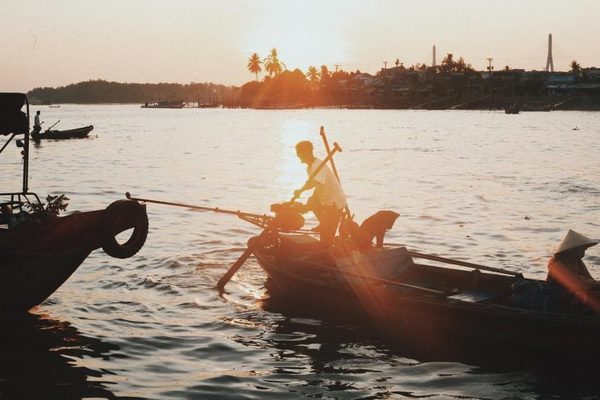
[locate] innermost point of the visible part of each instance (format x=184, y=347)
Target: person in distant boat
x=328, y=199
x=567, y=271
x=37, y=125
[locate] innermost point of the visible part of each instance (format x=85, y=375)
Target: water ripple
x=474, y=186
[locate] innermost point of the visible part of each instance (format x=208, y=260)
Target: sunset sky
x=53, y=43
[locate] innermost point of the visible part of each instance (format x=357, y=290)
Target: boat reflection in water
x=38, y=360
x=338, y=346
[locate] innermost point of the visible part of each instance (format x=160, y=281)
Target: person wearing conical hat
x=567, y=270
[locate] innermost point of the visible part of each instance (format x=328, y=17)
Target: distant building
x=558, y=78
x=364, y=78
x=592, y=74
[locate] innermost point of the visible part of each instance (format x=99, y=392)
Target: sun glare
x=292, y=173
x=301, y=39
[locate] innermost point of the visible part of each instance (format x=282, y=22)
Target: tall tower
x=433, y=63
x=549, y=63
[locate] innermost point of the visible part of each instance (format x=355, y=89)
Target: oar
x=463, y=263
x=334, y=169
x=236, y=265
x=377, y=279
x=336, y=148
x=233, y=269
x=53, y=125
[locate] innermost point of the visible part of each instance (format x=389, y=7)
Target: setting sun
x=301, y=38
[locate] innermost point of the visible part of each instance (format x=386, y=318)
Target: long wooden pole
x=233, y=269
x=53, y=125
x=238, y=264
x=463, y=263
x=201, y=208
x=333, y=168
x=376, y=279
x=7, y=142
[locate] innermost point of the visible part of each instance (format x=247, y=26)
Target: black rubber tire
x=134, y=214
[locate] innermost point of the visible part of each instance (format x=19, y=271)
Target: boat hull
x=77, y=133
x=37, y=257
x=433, y=325
x=28, y=280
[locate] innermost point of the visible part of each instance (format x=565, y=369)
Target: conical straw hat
x=574, y=240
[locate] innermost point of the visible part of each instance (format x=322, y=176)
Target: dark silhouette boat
x=448, y=311
x=39, y=250
x=514, y=108
x=76, y=133
x=165, y=104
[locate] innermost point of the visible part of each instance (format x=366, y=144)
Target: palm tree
x=575, y=67
x=254, y=65
x=272, y=63
x=448, y=63
x=324, y=72
x=313, y=74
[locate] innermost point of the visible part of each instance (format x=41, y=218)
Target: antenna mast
x=549, y=62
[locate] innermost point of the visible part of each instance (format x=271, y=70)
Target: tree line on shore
x=101, y=91
x=320, y=86
x=451, y=84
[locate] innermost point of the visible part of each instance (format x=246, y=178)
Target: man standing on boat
x=328, y=199
x=37, y=125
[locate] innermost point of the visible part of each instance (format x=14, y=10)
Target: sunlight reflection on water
x=481, y=186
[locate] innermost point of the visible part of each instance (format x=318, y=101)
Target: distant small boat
x=54, y=105
x=165, y=104
x=66, y=134
x=512, y=109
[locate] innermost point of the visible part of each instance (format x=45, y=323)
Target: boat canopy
x=12, y=119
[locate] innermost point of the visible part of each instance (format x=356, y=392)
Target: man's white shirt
x=328, y=188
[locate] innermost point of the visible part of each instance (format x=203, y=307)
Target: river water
x=482, y=186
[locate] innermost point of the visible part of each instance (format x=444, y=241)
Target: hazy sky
x=53, y=43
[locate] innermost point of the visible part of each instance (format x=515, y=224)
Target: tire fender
x=120, y=216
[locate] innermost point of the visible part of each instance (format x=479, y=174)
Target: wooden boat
x=38, y=250
x=39, y=256
x=76, y=133
x=165, y=104
x=450, y=308
x=447, y=311
x=512, y=109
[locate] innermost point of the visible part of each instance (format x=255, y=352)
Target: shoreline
x=524, y=108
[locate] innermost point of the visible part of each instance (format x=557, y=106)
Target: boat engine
x=288, y=216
